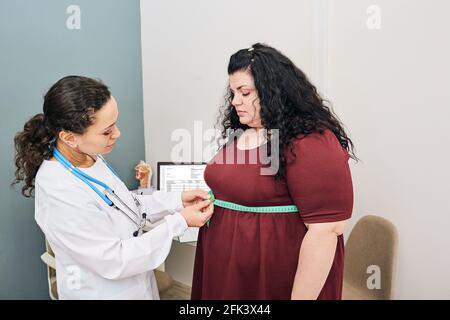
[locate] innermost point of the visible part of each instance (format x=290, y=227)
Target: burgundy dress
x=245, y=255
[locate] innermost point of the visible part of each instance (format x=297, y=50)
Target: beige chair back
x=370, y=260
x=48, y=257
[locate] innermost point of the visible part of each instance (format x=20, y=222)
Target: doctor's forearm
x=161, y=203
x=314, y=264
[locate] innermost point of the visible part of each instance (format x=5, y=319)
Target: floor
x=177, y=291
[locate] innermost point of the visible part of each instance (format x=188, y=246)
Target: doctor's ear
x=68, y=138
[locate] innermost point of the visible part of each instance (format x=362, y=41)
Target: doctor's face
x=102, y=135
x=245, y=98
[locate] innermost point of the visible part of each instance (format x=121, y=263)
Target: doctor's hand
x=198, y=214
x=193, y=196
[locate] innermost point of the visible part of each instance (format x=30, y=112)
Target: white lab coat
x=96, y=255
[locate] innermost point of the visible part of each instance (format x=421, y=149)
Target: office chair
x=49, y=259
x=370, y=260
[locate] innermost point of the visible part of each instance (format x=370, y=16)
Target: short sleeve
x=319, y=178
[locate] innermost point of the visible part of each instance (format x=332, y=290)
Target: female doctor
x=91, y=220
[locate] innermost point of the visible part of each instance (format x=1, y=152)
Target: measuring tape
x=238, y=207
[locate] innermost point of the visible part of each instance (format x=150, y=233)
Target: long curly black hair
x=289, y=102
x=68, y=105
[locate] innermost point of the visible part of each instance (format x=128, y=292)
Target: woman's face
x=101, y=136
x=245, y=98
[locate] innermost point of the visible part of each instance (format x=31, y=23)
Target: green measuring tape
x=238, y=207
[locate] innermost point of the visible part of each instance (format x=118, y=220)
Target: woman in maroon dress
x=275, y=255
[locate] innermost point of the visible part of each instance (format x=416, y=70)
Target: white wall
x=391, y=88
x=388, y=86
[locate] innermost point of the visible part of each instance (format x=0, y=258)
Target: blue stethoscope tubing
x=83, y=176
x=88, y=179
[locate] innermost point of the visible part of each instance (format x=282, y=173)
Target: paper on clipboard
x=182, y=177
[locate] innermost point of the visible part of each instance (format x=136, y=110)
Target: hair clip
x=250, y=49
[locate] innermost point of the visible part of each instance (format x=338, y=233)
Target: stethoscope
x=108, y=195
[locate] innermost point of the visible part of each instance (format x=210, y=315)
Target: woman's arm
x=160, y=203
x=320, y=185
x=73, y=221
x=316, y=258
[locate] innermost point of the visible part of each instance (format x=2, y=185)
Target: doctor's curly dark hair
x=68, y=105
x=289, y=101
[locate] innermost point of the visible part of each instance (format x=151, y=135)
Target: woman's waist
x=267, y=205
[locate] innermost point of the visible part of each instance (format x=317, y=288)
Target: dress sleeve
x=319, y=178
